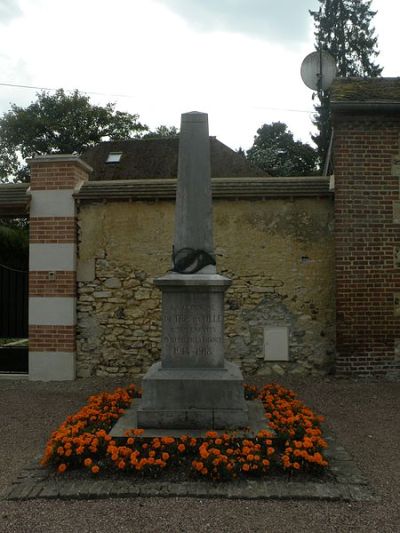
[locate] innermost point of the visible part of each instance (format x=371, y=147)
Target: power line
x=3, y=84
x=284, y=109
x=53, y=89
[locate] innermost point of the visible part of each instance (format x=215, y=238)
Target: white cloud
x=9, y=9
x=144, y=49
x=267, y=19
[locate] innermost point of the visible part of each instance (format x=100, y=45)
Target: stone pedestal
x=193, y=386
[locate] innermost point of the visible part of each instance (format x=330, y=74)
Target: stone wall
x=278, y=252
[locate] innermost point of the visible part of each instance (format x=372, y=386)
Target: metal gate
x=13, y=319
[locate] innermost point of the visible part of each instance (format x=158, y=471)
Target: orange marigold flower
x=165, y=456
x=130, y=441
x=181, y=447
x=121, y=465
x=203, y=453
x=62, y=468
x=204, y=471
x=218, y=442
x=296, y=465
x=88, y=461
x=245, y=467
x=212, y=434
x=95, y=469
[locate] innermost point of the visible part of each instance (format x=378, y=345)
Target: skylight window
x=114, y=157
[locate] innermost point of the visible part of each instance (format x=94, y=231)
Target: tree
x=162, y=132
x=14, y=243
x=343, y=28
x=276, y=152
x=59, y=123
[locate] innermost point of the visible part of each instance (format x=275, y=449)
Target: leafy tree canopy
x=162, y=132
x=14, y=243
x=344, y=29
x=276, y=152
x=59, y=123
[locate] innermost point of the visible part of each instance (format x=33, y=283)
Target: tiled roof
x=13, y=198
x=221, y=188
x=378, y=91
x=158, y=158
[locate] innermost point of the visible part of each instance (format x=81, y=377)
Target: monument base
x=193, y=398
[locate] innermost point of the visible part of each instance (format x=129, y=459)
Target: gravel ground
x=364, y=416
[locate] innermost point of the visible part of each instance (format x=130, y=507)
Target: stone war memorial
x=193, y=386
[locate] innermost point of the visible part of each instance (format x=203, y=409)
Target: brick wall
x=367, y=234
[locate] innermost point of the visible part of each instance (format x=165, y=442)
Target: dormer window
x=114, y=157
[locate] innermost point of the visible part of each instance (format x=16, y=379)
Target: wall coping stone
x=60, y=158
x=147, y=189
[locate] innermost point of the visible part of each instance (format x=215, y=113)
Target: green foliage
x=14, y=243
x=59, y=123
x=276, y=152
x=162, y=132
x=343, y=28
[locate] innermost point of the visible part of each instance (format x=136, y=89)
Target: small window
x=114, y=157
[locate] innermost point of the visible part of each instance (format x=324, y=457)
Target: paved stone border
x=349, y=485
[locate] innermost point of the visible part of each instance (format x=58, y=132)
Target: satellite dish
x=318, y=70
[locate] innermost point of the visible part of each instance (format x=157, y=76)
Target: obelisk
x=193, y=386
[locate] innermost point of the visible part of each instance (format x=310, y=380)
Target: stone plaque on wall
x=397, y=304
x=397, y=257
x=396, y=212
x=192, y=330
x=396, y=166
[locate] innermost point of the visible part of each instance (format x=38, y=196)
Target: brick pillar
x=52, y=265
x=367, y=227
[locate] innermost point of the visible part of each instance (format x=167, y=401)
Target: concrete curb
x=349, y=485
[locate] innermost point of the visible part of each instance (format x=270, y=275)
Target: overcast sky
x=237, y=60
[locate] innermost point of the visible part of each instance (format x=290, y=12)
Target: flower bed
x=83, y=442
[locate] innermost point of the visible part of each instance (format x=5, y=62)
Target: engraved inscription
x=193, y=334
x=179, y=318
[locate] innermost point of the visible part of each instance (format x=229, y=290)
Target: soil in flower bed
x=82, y=447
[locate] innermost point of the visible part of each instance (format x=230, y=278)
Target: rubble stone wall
x=279, y=254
